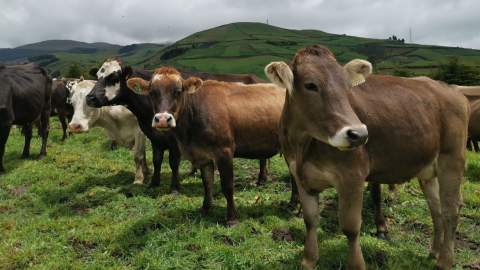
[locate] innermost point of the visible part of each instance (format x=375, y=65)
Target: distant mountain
x=21, y=53
x=65, y=45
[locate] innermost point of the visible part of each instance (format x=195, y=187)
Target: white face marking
x=157, y=77
x=340, y=140
x=108, y=68
x=83, y=114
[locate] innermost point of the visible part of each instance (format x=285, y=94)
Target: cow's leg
x=45, y=120
x=207, y=180
x=310, y=218
x=262, y=175
x=4, y=133
x=113, y=146
x=469, y=144
x=393, y=189
x=450, y=171
x=224, y=161
x=27, y=132
x=140, y=158
x=431, y=191
x=174, y=158
x=192, y=170
x=350, y=199
x=157, y=165
x=475, y=146
x=376, y=194
x=61, y=117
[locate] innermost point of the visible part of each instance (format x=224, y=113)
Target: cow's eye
x=152, y=94
x=178, y=93
x=311, y=87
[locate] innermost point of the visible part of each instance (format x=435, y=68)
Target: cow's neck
x=187, y=119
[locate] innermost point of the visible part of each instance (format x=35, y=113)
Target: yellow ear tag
x=357, y=79
x=126, y=77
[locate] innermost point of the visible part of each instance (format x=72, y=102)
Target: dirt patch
x=227, y=240
x=20, y=190
x=472, y=265
x=282, y=234
x=462, y=242
x=81, y=247
x=419, y=226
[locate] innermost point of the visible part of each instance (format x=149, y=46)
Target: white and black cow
x=119, y=123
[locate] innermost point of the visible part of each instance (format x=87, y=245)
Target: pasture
x=78, y=209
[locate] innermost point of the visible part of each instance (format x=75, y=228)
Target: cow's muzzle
x=350, y=138
x=75, y=128
x=163, y=121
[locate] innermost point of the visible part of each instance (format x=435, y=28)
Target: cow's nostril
x=357, y=137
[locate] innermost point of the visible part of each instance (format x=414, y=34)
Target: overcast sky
x=434, y=22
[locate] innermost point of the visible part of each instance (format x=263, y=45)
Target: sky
x=453, y=23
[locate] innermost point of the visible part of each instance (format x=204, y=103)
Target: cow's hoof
x=138, y=182
x=384, y=236
x=232, y=223
x=174, y=192
x=261, y=183
x=24, y=156
x=41, y=157
x=204, y=211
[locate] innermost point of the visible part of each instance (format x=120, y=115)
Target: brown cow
x=215, y=121
x=472, y=93
x=417, y=127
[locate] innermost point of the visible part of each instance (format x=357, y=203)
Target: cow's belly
x=196, y=155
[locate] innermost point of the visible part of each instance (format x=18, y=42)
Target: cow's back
x=411, y=120
x=28, y=87
x=248, y=115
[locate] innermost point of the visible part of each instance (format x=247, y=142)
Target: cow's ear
x=81, y=79
x=127, y=72
x=192, y=84
x=65, y=81
x=280, y=74
x=138, y=85
x=93, y=72
x=358, y=70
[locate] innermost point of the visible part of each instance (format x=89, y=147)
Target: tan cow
x=215, y=121
x=415, y=127
x=472, y=93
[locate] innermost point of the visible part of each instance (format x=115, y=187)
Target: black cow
x=111, y=89
x=60, y=107
x=24, y=97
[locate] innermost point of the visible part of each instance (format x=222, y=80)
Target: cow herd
x=337, y=126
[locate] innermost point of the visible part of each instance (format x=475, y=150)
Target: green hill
x=246, y=48
x=249, y=47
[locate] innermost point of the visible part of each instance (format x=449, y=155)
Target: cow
x=60, y=104
x=415, y=127
x=472, y=93
x=119, y=123
x=215, y=122
x=111, y=89
x=25, y=93
x=243, y=78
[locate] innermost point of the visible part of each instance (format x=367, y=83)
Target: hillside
x=249, y=47
x=241, y=48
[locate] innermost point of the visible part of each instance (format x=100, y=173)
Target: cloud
x=433, y=22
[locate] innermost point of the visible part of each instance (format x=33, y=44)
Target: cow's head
x=70, y=86
x=318, y=95
x=111, y=76
x=167, y=90
x=83, y=114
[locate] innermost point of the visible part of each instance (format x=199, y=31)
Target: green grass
x=78, y=209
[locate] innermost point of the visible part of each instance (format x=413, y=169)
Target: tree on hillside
x=373, y=59
x=401, y=71
x=455, y=71
x=73, y=71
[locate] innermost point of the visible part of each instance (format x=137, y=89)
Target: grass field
x=78, y=209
